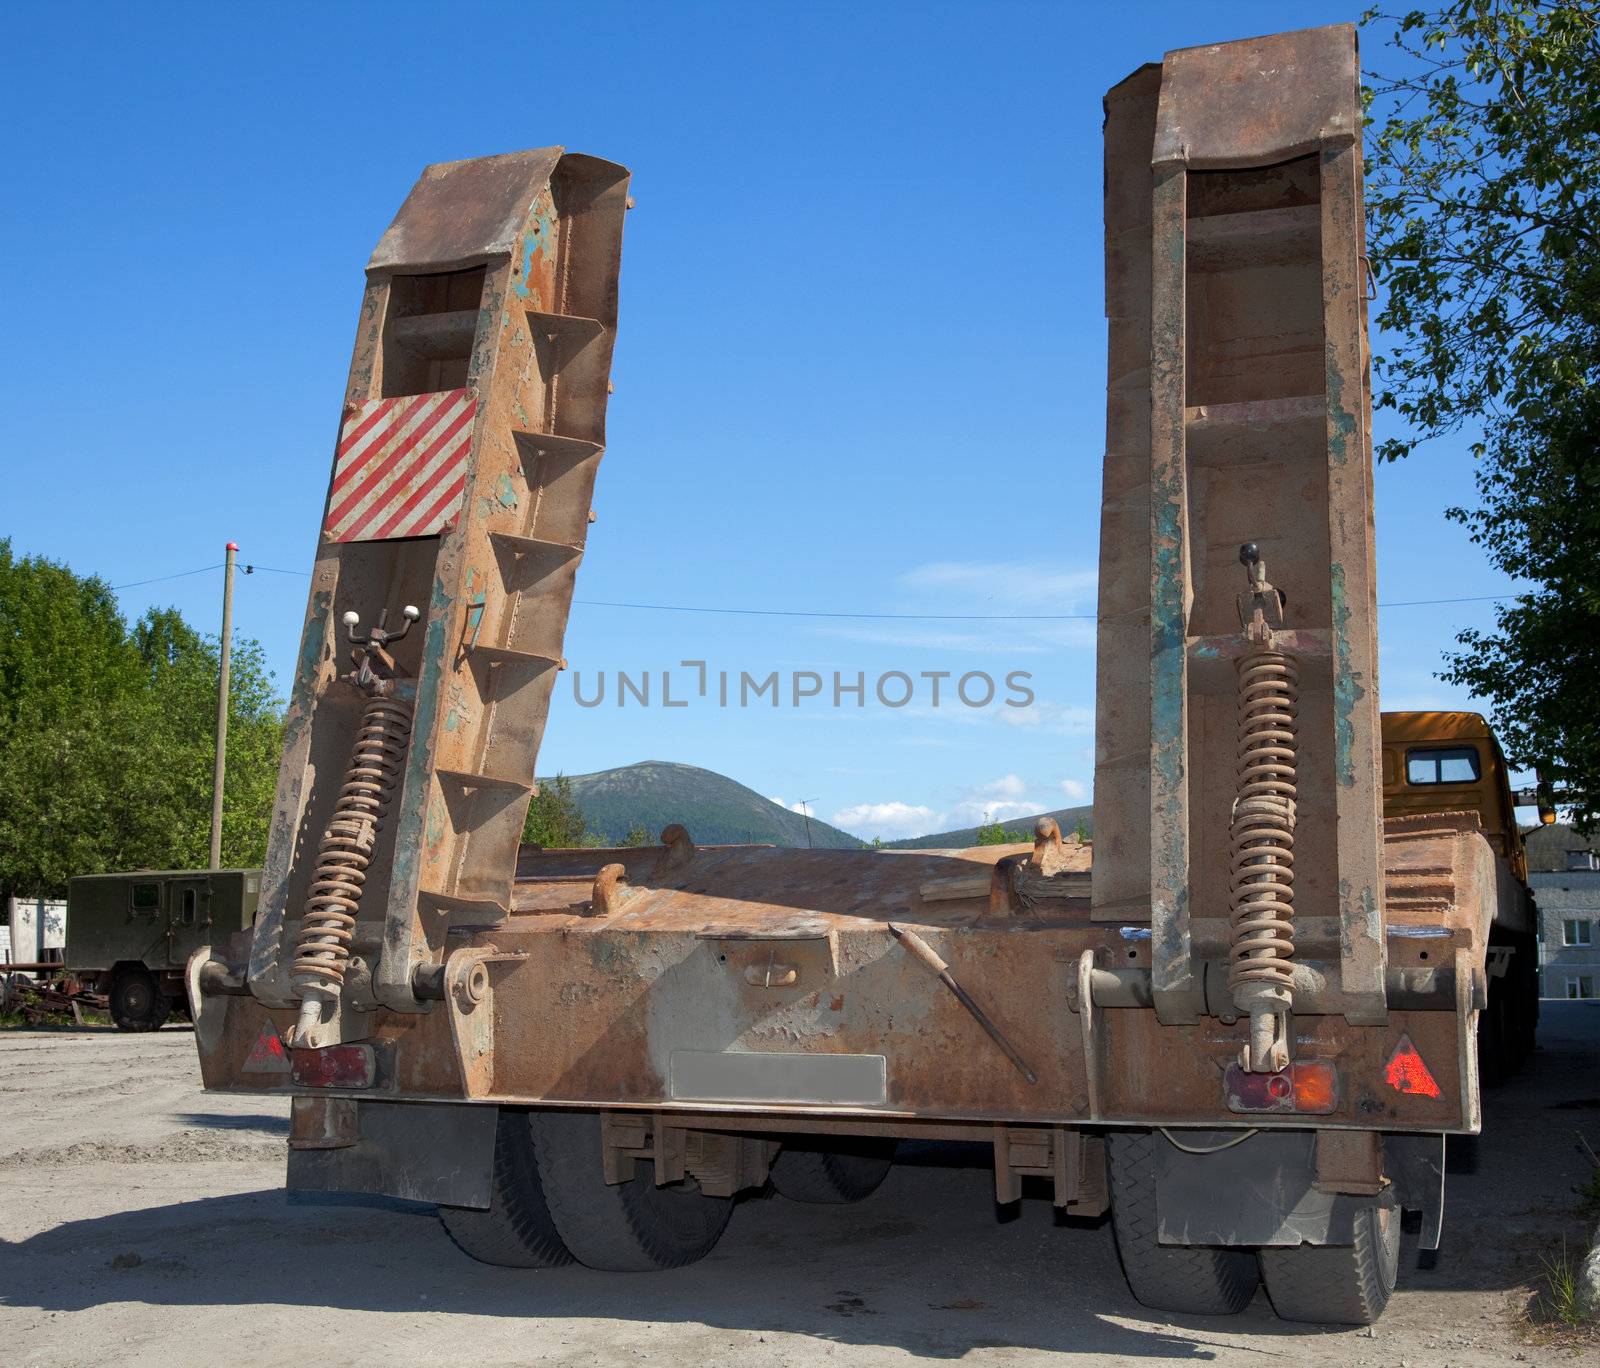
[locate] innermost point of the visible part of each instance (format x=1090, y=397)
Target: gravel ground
x=143, y=1222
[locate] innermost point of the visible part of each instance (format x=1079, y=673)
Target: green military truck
x=129, y=935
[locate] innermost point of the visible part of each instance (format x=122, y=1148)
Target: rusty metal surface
x=526, y=335
x=1259, y=100
x=1257, y=434
x=460, y=213
x=1236, y=412
x=1121, y=887
x=755, y=949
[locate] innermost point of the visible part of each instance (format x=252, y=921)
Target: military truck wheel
x=846, y=1172
x=136, y=1003
x=1337, y=1284
x=1202, y=1279
x=622, y=1227
x=516, y=1231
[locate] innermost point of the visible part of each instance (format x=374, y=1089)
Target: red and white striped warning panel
x=401, y=470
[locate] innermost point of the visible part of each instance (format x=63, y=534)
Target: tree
x=640, y=835
x=106, y=735
x=554, y=817
x=180, y=669
x=1484, y=227
x=995, y=833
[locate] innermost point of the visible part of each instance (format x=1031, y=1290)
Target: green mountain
x=715, y=809
x=1067, y=818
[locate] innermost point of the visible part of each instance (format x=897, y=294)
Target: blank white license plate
x=757, y=1076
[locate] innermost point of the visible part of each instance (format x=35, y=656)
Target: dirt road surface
x=144, y=1222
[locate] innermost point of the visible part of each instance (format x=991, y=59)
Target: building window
x=1442, y=765
x=1583, y=859
x=1576, y=932
x=1580, y=985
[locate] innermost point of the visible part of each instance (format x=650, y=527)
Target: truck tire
x=1204, y=1280
x=620, y=1227
x=516, y=1231
x=1337, y=1284
x=137, y=1004
x=845, y=1173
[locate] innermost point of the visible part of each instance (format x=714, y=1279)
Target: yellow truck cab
x=1450, y=762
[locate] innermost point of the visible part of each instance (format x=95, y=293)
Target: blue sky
x=860, y=364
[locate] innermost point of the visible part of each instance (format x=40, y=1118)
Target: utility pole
x=222, y=709
x=805, y=804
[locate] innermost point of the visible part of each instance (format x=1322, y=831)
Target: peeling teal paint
x=614, y=952
x=415, y=789
x=541, y=233
x=315, y=638
x=1347, y=689
x=1342, y=428
x=507, y=492
x=1166, y=641
x=1169, y=894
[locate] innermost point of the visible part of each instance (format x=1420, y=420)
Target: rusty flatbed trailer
x=1246, y=1034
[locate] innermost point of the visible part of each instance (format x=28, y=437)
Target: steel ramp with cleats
x=1237, y=424
x=474, y=423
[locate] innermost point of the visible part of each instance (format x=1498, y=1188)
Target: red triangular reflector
x=1406, y=1073
x=267, y=1055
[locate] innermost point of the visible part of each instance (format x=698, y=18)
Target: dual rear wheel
x=1323, y=1284
x=550, y=1204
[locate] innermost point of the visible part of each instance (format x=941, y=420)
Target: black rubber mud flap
x=516, y=1231
x=1200, y=1279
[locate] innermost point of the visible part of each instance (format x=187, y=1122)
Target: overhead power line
x=158, y=579
x=948, y=617
x=803, y=613
x=817, y=613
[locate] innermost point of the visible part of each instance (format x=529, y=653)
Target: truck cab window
x=1442, y=765
x=188, y=906
x=146, y=898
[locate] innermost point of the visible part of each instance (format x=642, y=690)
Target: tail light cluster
x=334, y=1066
x=1309, y=1087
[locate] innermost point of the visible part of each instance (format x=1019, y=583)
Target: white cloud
x=996, y=800
x=1010, y=786
x=977, y=811
x=982, y=639
x=1075, y=789
x=1028, y=584
x=892, y=819
x=1069, y=719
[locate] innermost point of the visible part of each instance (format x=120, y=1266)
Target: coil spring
x=323, y=948
x=1261, y=893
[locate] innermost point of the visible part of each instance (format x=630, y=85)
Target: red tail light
x=1310, y=1087
x=335, y=1066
